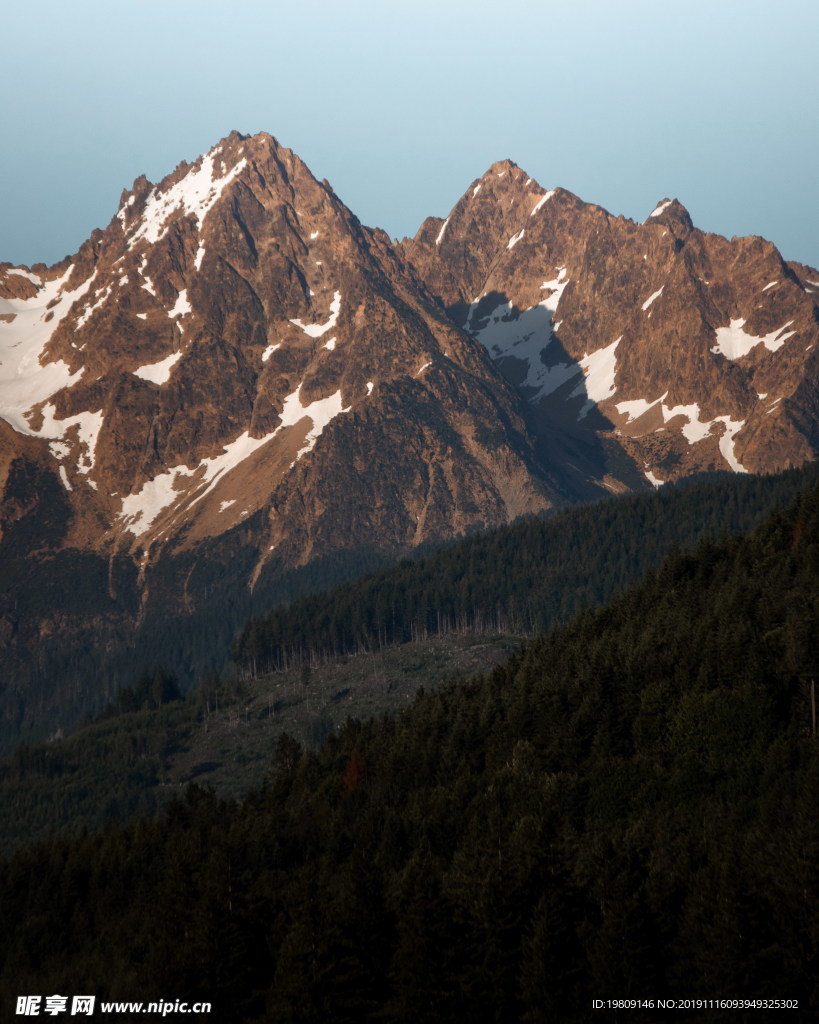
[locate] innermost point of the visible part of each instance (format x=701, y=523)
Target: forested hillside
x=60, y=677
x=523, y=578
x=627, y=809
x=145, y=750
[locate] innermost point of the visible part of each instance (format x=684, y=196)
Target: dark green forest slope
x=627, y=809
x=51, y=680
x=523, y=578
x=146, y=750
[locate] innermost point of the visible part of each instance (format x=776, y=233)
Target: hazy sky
x=402, y=105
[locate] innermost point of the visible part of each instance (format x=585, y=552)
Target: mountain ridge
x=133, y=437
x=236, y=380
x=674, y=331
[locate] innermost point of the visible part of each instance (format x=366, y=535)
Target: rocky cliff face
x=658, y=349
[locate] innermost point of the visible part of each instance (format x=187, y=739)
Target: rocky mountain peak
x=679, y=348
x=233, y=324
x=456, y=256
x=672, y=215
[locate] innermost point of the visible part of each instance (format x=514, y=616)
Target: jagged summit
x=455, y=256
x=671, y=213
x=680, y=349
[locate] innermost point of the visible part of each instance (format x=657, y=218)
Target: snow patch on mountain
x=121, y=213
x=321, y=412
x=525, y=335
x=317, y=330
x=25, y=381
x=140, y=510
x=734, y=342
x=634, y=408
x=726, y=442
x=651, y=298
x=543, y=199
x=556, y=287
x=87, y=426
x=25, y=273
x=59, y=449
x=99, y=301
x=147, y=283
x=513, y=241
x=159, y=373
x=194, y=195
x=695, y=429
x=181, y=307
x=507, y=331
x=598, y=369
x=440, y=237
x=659, y=209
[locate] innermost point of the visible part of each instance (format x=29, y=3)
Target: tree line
x=520, y=579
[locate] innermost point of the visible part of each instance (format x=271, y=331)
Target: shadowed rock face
x=681, y=350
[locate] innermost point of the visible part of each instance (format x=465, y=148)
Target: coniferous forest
x=626, y=809
x=522, y=578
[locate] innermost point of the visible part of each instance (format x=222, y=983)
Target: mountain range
x=236, y=380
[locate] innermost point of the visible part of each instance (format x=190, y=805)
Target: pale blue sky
x=401, y=106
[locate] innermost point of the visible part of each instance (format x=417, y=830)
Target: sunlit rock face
x=657, y=349
x=235, y=350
